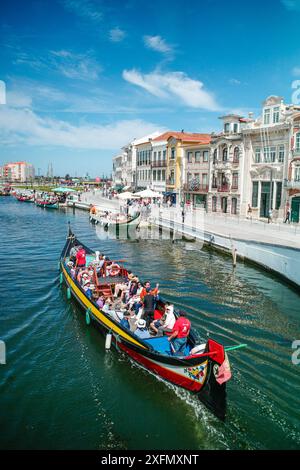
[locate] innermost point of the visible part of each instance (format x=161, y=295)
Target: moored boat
x=116, y=221
x=46, y=204
x=200, y=370
x=25, y=198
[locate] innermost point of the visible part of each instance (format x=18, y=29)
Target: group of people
x=133, y=304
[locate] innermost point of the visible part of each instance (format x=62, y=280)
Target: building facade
x=159, y=163
x=175, y=171
x=18, y=172
x=227, y=167
x=268, y=147
x=196, y=170
x=293, y=180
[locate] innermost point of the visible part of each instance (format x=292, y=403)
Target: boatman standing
x=180, y=333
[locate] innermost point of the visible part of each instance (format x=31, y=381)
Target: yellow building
x=176, y=155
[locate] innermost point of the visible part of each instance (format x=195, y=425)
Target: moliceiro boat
x=47, y=204
x=116, y=221
x=203, y=369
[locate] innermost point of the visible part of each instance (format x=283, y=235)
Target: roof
x=185, y=137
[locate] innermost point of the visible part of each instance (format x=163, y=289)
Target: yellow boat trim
x=106, y=321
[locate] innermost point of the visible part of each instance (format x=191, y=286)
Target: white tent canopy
x=126, y=195
x=148, y=193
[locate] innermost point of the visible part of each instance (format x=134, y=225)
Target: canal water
x=60, y=389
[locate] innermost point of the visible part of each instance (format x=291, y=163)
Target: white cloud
x=296, y=71
x=234, y=81
x=84, y=8
x=23, y=126
x=291, y=5
x=76, y=66
x=173, y=85
x=157, y=43
x=116, y=34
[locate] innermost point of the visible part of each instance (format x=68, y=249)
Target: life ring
x=115, y=270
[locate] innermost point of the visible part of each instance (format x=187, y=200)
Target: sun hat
x=141, y=323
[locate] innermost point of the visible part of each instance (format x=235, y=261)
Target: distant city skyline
x=117, y=70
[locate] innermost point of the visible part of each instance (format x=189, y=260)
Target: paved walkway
x=225, y=225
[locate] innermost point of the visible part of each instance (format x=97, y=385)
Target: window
x=236, y=154
x=269, y=154
x=214, y=203
x=257, y=155
x=154, y=175
x=205, y=155
x=226, y=127
x=281, y=152
x=267, y=116
x=225, y=154
x=197, y=157
x=297, y=173
x=214, y=181
x=164, y=154
x=273, y=154
x=154, y=156
x=278, y=195
x=205, y=180
x=215, y=156
x=172, y=177
x=255, y=194
x=158, y=175
x=159, y=155
x=276, y=115
x=163, y=175
x=235, y=127
x=298, y=141
x=190, y=157
x=172, y=153
x=234, y=205
x=235, y=180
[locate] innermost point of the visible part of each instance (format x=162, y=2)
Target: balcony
x=223, y=188
x=293, y=184
x=159, y=164
x=196, y=187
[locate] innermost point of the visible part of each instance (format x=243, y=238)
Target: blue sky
x=84, y=77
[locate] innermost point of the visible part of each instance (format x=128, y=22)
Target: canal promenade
x=274, y=246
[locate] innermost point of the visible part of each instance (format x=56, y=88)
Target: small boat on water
x=200, y=370
x=46, y=204
x=116, y=221
x=25, y=198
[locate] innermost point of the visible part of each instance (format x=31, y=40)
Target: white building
x=18, y=171
x=159, y=163
x=227, y=167
x=267, y=142
x=119, y=164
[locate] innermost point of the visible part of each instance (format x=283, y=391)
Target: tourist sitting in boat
x=100, y=301
x=88, y=288
x=179, y=335
x=141, y=330
x=166, y=323
x=80, y=257
x=125, y=320
x=120, y=288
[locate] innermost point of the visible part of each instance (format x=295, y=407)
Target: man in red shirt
x=80, y=257
x=180, y=333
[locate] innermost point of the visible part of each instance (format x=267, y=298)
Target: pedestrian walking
x=287, y=216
